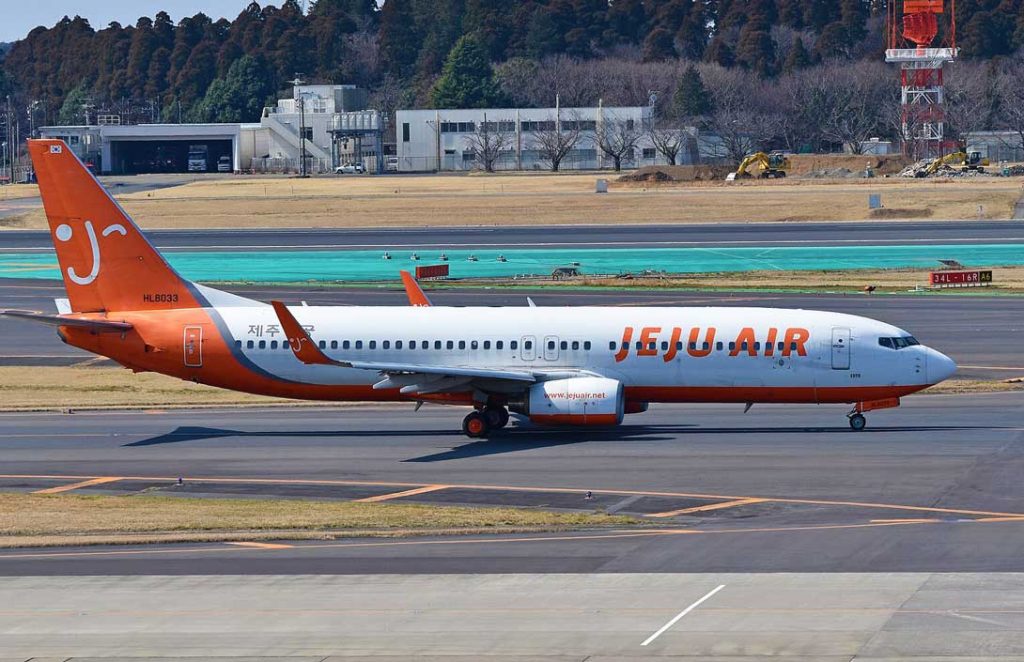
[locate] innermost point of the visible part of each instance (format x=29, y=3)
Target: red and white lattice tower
x=921, y=43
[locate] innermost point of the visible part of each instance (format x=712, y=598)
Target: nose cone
x=940, y=367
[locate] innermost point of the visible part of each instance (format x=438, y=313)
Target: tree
x=668, y=138
x=1010, y=85
x=617, y=138
x=659, y=45
x=467, y=80
x=798, y=57
x=691, y=98
x=490, y=141
x=73, y=110
x=555, y=138
x=756, y=50
x=240, y=96
x=399, y=39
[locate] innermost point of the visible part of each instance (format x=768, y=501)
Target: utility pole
x=300, y=102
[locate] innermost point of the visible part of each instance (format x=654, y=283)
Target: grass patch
x=35, y=519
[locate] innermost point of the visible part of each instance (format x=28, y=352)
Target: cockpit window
x=898, y=343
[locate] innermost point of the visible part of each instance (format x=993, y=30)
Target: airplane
x=557, y=366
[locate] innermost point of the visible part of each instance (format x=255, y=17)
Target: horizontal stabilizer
x=67, y=320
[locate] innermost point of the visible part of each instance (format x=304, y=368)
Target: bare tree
x=970, y=100
x=1010, y=87
x=490, y=140
x=852, y=100
x=669, y=138
x=741, y=118
x=556, y=137
x=617, y=138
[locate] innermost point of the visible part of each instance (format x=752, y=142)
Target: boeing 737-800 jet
x=583, y=366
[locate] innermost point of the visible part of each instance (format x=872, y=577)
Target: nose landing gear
x=857, y=421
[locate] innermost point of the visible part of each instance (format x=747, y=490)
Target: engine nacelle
x=576, y=401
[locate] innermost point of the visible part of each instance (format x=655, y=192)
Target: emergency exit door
x=193, y=347
x=840, y=349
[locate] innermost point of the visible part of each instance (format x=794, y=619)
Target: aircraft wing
x=64, y=320
x=306, y=350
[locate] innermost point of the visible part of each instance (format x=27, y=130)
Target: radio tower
x=921, y=42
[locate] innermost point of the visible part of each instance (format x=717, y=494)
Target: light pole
x=300, y=102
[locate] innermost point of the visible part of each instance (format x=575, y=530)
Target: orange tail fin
x=106, y=262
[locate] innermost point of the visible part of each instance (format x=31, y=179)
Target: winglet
x=302, y=345
x=414, y=291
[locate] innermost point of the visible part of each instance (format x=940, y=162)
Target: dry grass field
x=544, y=199
x=32, y=520
x=18, y=191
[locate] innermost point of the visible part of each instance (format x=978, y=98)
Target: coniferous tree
x=798, y=57
x=467, y=80
x=691, y=98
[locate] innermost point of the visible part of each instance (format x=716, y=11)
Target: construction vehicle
x=964, y=160
x=772, y=166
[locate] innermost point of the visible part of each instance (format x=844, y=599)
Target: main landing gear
x=478, y=423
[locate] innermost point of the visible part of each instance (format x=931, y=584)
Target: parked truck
x=198, y=157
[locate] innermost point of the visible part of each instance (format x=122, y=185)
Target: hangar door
x=139, y=157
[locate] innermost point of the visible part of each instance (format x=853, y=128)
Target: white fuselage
x=667, y=348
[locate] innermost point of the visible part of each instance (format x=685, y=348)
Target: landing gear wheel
x=497, y=417
x=858, y=422
x=475, y=425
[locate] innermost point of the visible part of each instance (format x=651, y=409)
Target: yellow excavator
x=772, y=166
x=964, y=160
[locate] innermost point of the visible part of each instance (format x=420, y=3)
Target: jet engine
x=575, y=401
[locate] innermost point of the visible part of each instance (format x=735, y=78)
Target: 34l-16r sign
x=959, y=278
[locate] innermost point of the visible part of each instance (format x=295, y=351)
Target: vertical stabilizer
x=105, y=261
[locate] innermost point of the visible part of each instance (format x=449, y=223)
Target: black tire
x=496, y=417
x=475, y=425
x=858, y=422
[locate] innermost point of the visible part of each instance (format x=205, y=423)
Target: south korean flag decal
x=56, y=149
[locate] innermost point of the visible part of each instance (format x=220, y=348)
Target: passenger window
x=551, y=344
x=334, y=344
x=398, y=344
x=499, y=344
x=263, y=344
x=792, y=346
x=373, y=344
x=249, y=345
x=513, y=344
x=782, y=346
x=718, y=345
x=693, y=345
x=564, y=345
x=528, y=344
x=652, y=346
x=238, y=344
x=450, y=344
x=437, y=344
x=359, y=344
x=487, y=344
x=732, y=346
x=575, y=344
x=757, y=346
x=273, y=344
x=346, y=344
x=707, y=346
x=639, y=345
x=611, y=346
x=679, y=345
x=473, y=344
x=664, y=345
x=745, y=346
x=586, y=345
x=386, y=344
x=462, y=344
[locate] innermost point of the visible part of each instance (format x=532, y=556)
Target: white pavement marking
x=684, y=612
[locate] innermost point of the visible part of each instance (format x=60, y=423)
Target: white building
x=428, y=140
x=338, y=130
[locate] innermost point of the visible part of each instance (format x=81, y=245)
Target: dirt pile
x=669, y=174
x=843, y=166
